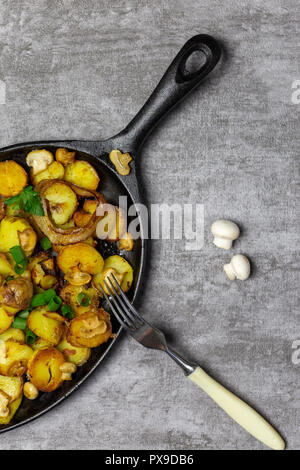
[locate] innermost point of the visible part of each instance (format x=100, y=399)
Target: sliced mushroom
x=39, y=160
x=77, y=277
x=126, y=242
x=121, y=161
x=4, y=400
x=28, y=240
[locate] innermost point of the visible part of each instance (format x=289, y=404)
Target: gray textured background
x=82, y=69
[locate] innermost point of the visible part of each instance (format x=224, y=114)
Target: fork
x=150, y=337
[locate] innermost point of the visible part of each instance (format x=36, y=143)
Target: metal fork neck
x=187, y=366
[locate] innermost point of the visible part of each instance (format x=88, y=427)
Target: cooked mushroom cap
x=39, y=160
x=17, y=293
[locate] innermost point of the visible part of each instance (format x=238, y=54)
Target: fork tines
x=120, y=305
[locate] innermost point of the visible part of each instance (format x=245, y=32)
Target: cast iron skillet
x=193, y=63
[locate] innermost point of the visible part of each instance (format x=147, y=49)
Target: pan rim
x=82, y=146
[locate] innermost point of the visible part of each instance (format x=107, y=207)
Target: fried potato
x=10, y=230
x=82, y=218
x=113, y=225
x=45, y=325
x=82, y=174
x=77, y=356
x=13, y=334
x=43, y=271
x=44, y=369
x=65, y=157
x=6, y=268
x=121, y=266
x=13, y=407
x=89, y=329
x=40, y=343
x=80, y=255
x=12, y=386
x=5, y=320
x=62, y=202
x=90, y=206
x=13, y=178
x=14, y=358
x=126, y=242
x=69, y=295
x=55, y=171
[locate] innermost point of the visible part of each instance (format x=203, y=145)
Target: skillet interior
x=111, y=187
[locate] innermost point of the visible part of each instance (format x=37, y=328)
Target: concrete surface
x=82, y=69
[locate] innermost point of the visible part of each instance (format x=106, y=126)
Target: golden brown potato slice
x=12, y=386
x=69, y=295
x=5, y=320
x=120, y=266
x=82, y=174
x=77, y=356
x=55, y=171
x=80, y=255
x=82, y=218
x=13, y=178
x=10, y=229
x=113, y=225
x=45, y=325
x=90, y=329
x=6, y=268
x=65, y=157
x=62, y=202
x=44, y=369
x=14, y=358
x=13, y=334
x=43, y=271
x=90, y=206
x=40, y=343
x=13, y=407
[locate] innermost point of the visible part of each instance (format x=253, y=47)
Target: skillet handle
x=179, y=80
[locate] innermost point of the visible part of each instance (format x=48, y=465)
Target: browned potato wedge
x=89, y=329
x=39, y=160
x=120, y=266
x=13, y=407
x=45, y=325
x=80, y=255
x=13, y=334
x=6, y=268
x=16, y=293
x=113, y=225
x=44, y=369
x=77, y=356
x=13, y=178
x=69, y=295
x=82, y=218
x=5, y=320
x=90, y=206
x=11, y=228
x=65, y=157
x=14, y=358
x=55, y=171
x=82, y=174
x=62, y=202
x=43, y=271
x=12, y=386
x=126, y=242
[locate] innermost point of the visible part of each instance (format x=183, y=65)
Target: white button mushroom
x=39, y=160
x=224, y=232
x=239, y=267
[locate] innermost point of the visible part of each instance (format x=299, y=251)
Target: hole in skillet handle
x=194, y=63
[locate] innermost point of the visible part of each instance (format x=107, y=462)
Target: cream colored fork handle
x=238, y=410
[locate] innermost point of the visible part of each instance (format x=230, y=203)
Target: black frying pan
x=192, y=64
